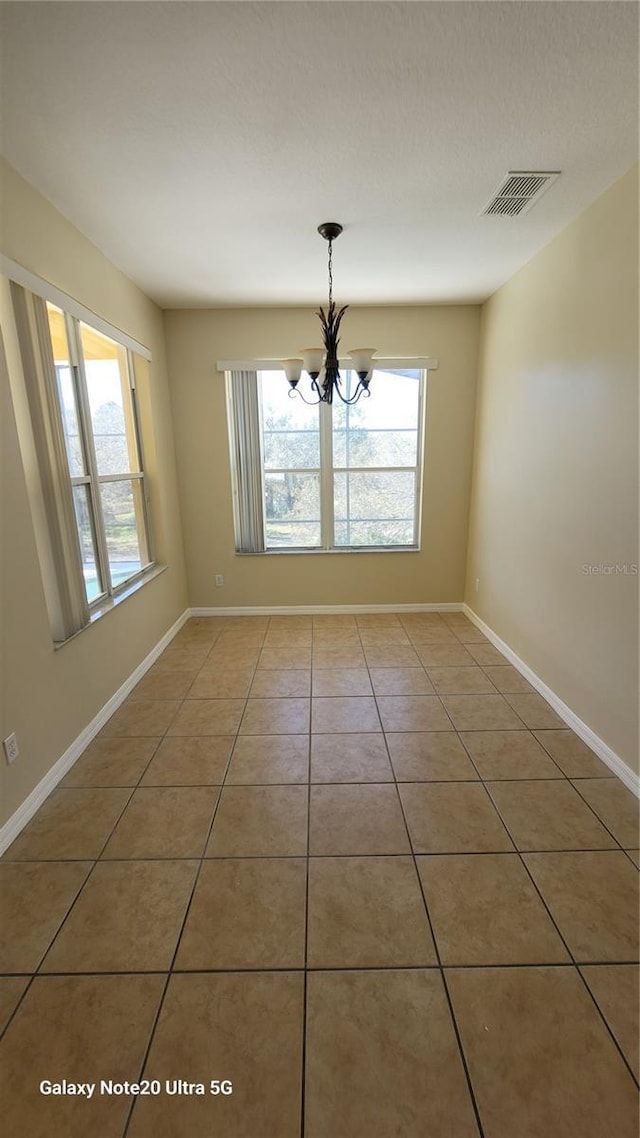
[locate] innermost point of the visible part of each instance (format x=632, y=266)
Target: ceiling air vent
x=518, y=192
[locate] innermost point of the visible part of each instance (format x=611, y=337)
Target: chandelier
x=322, y=364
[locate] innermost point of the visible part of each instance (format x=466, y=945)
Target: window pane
x=292, y=510
x=374, y=508
x=90, y=568
x=66, y=391
x=290, y=429
x=383, y=430
x=291, y=449
x=123, y=515
x=110, y=403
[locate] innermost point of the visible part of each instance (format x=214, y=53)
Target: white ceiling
x=199, y=144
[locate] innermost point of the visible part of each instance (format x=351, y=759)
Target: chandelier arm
x=293, y=391
x=360, y=391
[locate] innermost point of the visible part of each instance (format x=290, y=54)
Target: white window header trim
x=47, y=291
x=424, y=363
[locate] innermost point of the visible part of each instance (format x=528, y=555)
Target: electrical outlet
x=219, y=580
x=11, y=748
x=477, y=584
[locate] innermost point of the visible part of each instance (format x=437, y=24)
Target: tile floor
x=354, y=865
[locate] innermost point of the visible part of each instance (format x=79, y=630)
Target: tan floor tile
x=246, y=914
x=142, y=717
x=412, y=713
x=275, y=717
x=436, y=634
x=341, y=681
x=429, y=756
x=241, y=638
x=469, y=634
x=338, y=656
x=333, y=620
x=241, y=624
x=11, y=991
x=127, y=918
x=222, y=683
x=548, y=815
x=460, y=681
x=444, y=655
x=111, y=762
x=452, y=817
x=560, y=1076
x=421, y=619
x=336, y=638
x=508, y=679
x=615, y=989
x=344, y=714
x=485, y=910
x=382, y=1058
x=35, y=897
x=287, y=682
x=290, y=620
x=367, y=912
x=70, y=824
x=485, y=653
x=481, y=713
x=391, y=656
x=377, y=620
x=235, y=659
x=200, y=628
x=283, y=658
x=288, y=638
x=509, y=754
x=356, y=820
x=245, y=1028
x=401, y=681
x=573, y=756
x=208, y=717
x=83, y=1029
x=260, y=821
x=269, y=758
x=189, y=761
x=163, y=684
x=535, y=711
x=183, y=657
x=350, y=758
x=593, y=897
x=614, y=804
x=635, y=856
x=381, y=636
x=164, y=822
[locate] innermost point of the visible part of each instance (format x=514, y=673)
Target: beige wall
x=196, y=339
x=556, y=467
x=49, y=697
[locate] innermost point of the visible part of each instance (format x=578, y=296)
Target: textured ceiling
x=198, y=145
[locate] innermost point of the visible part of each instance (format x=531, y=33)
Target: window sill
x=111, y=603
x=360, y=549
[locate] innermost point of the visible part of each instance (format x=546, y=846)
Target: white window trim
x=327, y=471
x=47, y=291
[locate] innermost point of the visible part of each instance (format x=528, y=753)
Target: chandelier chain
x=330, y=273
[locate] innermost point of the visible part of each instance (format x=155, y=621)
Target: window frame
x=327, y=470
x=92, y=478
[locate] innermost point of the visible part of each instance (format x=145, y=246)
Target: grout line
x=303, y=1079
x=145, y=1058
x=435, y=946
x=565, y=942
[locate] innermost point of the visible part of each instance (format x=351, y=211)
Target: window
x=330, y=476
x=84, y=457
x=96, y=393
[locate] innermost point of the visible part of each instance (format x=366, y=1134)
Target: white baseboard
x=598, y=745
x=326, y=610
x=24, y=813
